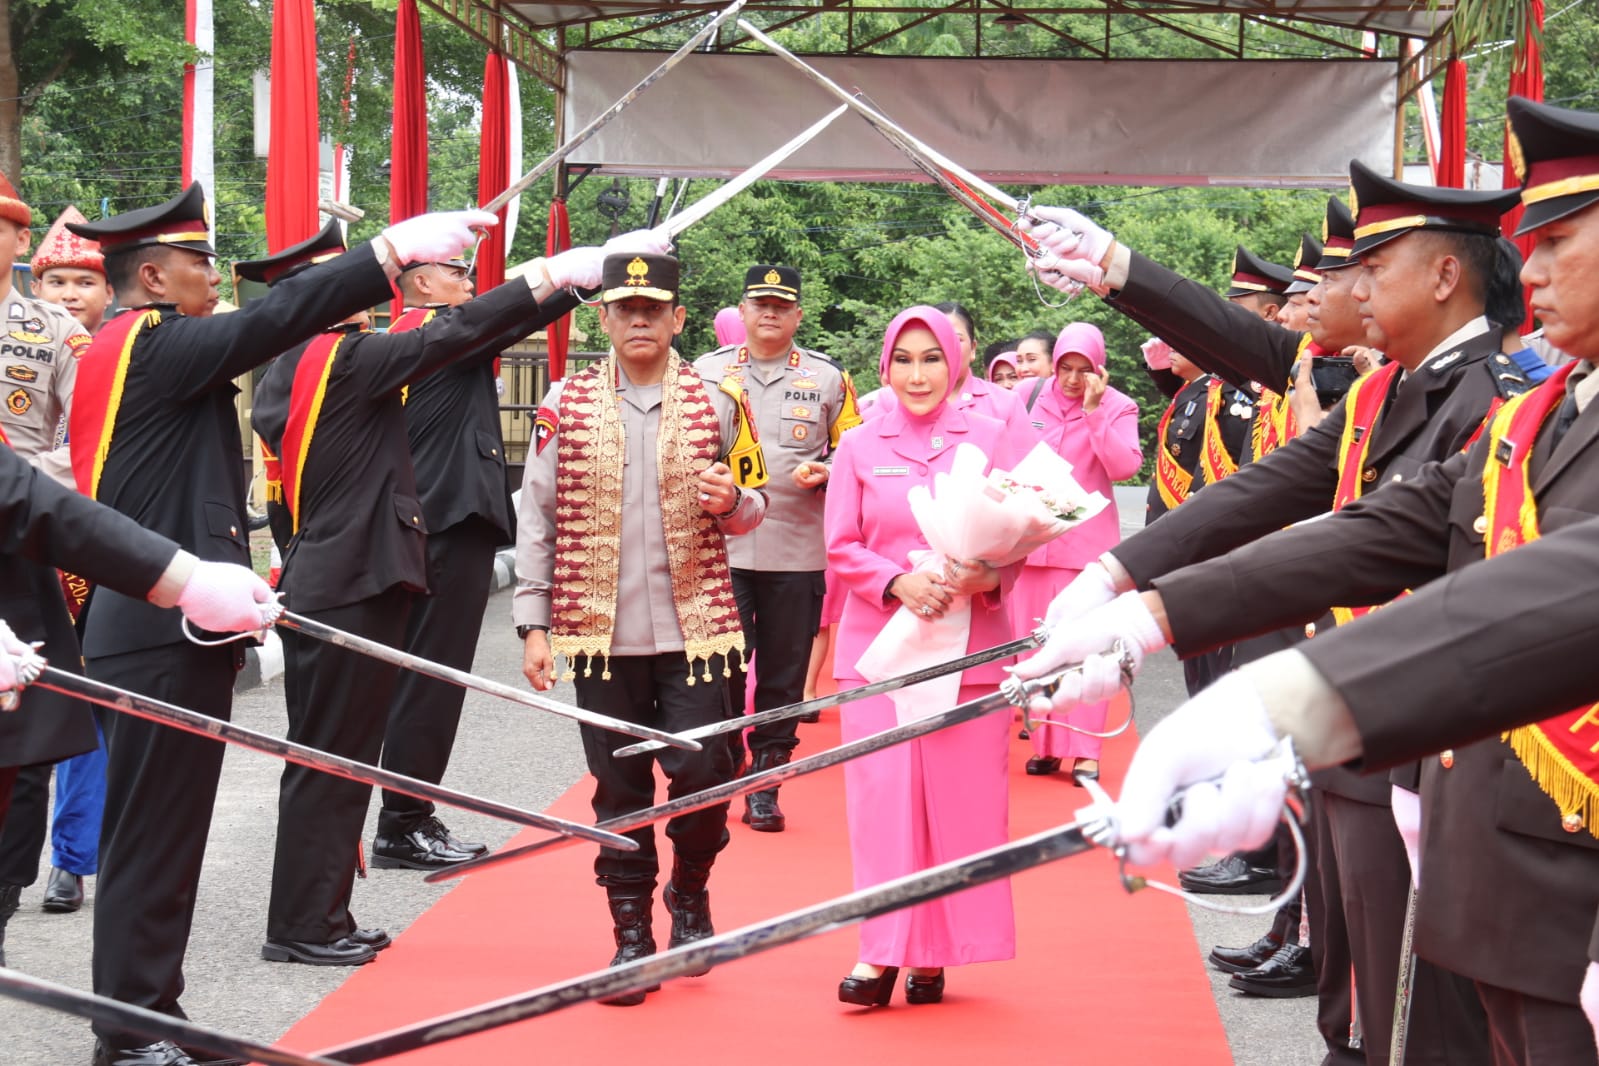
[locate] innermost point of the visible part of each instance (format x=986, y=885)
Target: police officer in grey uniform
x=802, y=402
x=38, y=355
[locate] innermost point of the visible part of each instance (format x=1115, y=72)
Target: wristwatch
x=523, y=631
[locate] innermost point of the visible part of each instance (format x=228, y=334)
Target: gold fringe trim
x=727, y=645
x=274, y=491
x=590, y=647
x=1573, y=791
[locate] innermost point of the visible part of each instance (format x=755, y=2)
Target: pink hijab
x=1078, y=338
x=1008, y=358
x=938, y=323
x=729, y=327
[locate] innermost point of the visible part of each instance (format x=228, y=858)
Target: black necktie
x=1563, y=420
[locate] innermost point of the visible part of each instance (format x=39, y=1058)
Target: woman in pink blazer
x=942, y=796
x=1095, y=428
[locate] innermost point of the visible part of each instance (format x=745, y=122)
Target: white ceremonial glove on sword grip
x=226, y=598
x=579, y=268
x=1215, y=751
x=14, y=656
x=437, y=236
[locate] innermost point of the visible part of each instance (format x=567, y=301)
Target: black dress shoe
x=440, y=831
x=341, y=952
x=1231, y=876
x=868, y=991
x=376, y=939
x=1288, y=974
x=1041, y=765
x=63, y=892
x=923, y=989
x=161, y=1053
x=1242, y=960
x=425, y=846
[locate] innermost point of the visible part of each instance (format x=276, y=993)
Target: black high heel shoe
x=868, y=991
x=922, y=989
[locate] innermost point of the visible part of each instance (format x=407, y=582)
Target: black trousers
x=161, y=785
x=25, y=827
x=1365, y=882
x=1329, y=944
x=8, y=777
x=1529, y=1031
x=780, y=612
x=654, y=690
x=338, y=700
x=444, y=627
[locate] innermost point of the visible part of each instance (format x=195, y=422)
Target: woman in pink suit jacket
x=1095, y=428
x=942, y=796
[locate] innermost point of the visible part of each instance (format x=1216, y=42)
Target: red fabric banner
x=558, y=238
x=291, y=186
x=1526, y=79
x=494, y=166
x=408, y=153
x=1452, y=150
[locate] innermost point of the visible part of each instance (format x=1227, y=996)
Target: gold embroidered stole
x=590, y=453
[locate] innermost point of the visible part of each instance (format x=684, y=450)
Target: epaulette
x=1509, y=381
x=822, y=357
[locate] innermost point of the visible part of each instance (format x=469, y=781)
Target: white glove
x=1222, y=733
x=576, y=268
x=639, y=242
x=1157, y=354
x=12, y=651
x=1407, y=816
x=226, y=598
x=1099, y=678
x=1069, y=276
x=436, y=237
x=1092, y=588
x=1067, y=233
x=1590, y=997
x=1072, y=640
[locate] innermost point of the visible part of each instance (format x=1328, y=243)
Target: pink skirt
x=925, y=802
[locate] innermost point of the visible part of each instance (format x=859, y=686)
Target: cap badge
x=638, y=272
x=772, y=277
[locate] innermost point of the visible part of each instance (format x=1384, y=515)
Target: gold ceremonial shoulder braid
x=588, y=518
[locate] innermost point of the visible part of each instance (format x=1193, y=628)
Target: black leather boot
x=632, y=915
x=689, y=903
x=761, y=812
x=10, y=895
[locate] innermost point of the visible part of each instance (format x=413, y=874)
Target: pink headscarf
x=1081, y=338
x=935, y=321
x=1008, y=358
x=729, y=327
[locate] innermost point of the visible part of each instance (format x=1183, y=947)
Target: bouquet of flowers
x=1000, y=517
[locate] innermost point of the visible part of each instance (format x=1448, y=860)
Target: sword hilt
x=29, y=666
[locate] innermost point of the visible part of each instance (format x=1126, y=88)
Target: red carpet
x=1100, y=977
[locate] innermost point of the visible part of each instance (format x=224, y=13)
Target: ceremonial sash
x=272, y=468
x=1274, y=423
x=1217, y=460
x=849, y=413
x=1362, y=407
x=1561, y=753
x=1171, y=480
x=97, y=395
x=305, y=407
x=411, y=318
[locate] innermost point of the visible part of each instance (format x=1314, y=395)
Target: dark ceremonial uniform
x=42, y=526
x=1431, y=416
x=1203, y=413
x=803, y=403
x=331, y=410
x=452, y=420
x=1510, y=880
x=155, y=435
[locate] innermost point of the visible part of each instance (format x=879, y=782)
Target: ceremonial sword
x=1095, y=827
x=154, y=710
x=428, y=668
x=723, y=193
x=966, y=188
x=128, y=1018
x=876, y=688
x=1012, y=693
x=525, y=182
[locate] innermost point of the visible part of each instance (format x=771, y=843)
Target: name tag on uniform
x=891, y=471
